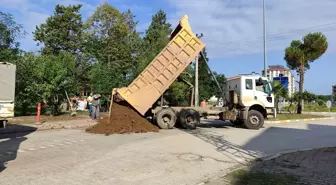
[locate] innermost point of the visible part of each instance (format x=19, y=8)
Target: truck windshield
x=264, y=87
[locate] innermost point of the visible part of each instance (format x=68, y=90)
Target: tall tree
x=62, y=31
x=301, y=53
x=156, y=38
x=112, y=40
x=10, y=32
x=44, y=78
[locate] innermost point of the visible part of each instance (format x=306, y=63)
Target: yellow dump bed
x=156, y=78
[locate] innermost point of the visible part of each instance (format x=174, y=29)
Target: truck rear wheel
x=166, y=118
x=189, y=118
x=255, y=120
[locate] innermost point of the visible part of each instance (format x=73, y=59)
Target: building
x=284, y=75
x=333, y=94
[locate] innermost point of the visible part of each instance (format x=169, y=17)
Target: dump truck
x=248, y=98
x=7, y=92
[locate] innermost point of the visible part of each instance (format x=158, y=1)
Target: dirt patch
x=124, y=119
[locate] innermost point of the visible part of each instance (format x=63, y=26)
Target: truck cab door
x=262, y=94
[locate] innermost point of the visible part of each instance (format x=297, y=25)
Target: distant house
x=284, y=75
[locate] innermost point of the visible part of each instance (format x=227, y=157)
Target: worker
x=74, y=105
x=96, y=106
x=89, y=104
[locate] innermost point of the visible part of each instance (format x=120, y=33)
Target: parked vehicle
x=7, y=92
x=248, y=98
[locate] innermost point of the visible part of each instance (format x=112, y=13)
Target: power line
x=279, y=36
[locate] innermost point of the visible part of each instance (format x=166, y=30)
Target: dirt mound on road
x=124, y=119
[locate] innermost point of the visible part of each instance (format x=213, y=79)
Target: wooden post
x=112, y=99
x=38, y=117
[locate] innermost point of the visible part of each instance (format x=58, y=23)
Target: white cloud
x=31, y=13
x=236, y=28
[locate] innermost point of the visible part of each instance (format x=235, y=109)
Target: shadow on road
x=227, y=148
x=268, y=142
x=10, y=142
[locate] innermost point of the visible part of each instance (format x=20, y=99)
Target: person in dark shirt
x=96, y=106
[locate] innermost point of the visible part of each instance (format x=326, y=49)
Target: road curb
x=273, y=156
x=298, y=120
x=46, y=126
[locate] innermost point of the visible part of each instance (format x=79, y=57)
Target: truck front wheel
x=255, y=120
x=189, y=118
x=166, y=118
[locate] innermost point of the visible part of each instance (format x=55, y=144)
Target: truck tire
x=255, y=120
x=189, y=118
x=166, y=118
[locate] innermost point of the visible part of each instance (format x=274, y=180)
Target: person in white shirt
x=89, y=102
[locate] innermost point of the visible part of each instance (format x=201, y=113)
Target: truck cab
x=254, y=99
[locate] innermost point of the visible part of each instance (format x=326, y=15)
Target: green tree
x=207, y=85
x=62, y=31
x=156, y=38
x=24, y=97
x=10, y=32
x=308, y=97
x=178, y=94
x=113, y=43
x=301, y=53
x=44, y=78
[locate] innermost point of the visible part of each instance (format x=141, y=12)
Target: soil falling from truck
x=124, y=119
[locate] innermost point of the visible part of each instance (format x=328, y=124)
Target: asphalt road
x=168, y=157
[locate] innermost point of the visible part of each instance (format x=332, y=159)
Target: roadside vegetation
x=242, y=177
x=311, y=107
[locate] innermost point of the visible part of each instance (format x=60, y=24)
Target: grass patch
x=311, y=108
x=294, y=116
x=242, y=177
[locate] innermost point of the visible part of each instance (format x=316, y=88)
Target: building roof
x=277, y=68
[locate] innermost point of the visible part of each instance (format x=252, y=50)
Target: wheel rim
x=189, y=119
x=254, y=120
x=166, y=119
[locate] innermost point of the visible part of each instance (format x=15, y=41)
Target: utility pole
x=196, y=75
x=264, y=26
x=196, y=83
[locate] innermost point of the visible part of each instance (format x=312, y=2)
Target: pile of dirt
x=124, y=119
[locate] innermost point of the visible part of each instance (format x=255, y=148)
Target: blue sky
x=232, y=29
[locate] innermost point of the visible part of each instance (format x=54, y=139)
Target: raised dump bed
x=156, y=78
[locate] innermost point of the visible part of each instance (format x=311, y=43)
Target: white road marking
x=42, y=147
x=32, y=149
x=21, y=151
